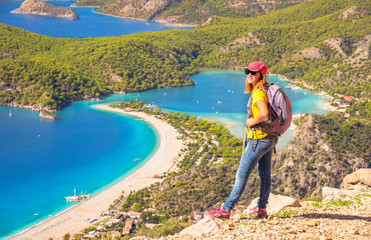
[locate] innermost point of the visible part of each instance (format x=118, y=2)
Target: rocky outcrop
x=354, y=184
x=39, y=7
x=363, y=51
x=250, y=41
x=47, y=115
x=206, y=225
x=362, y=176
x=337, y=44
x=346, y=13
x=333, y=194
x=275, y=203
x=312, y=52
x=344, y=218
x=141, y=9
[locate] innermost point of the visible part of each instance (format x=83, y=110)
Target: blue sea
x=90, y=24
x=43, y=161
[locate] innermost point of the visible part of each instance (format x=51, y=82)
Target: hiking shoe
x=218, y=213
x=259, y=213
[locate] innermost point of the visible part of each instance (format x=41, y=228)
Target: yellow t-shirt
x=257, y=95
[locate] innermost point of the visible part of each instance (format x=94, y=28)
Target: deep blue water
x=90, y=24
x=42, y=161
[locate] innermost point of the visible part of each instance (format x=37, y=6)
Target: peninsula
x=39, y=7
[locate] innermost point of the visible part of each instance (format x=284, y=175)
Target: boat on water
x=10, y=113
x=77, y=198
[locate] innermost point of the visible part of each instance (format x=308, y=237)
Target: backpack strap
x=244, y=143
x=252, y=140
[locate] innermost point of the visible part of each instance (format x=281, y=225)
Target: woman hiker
x=261, y=151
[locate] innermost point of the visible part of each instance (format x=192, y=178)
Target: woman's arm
x=263, y=113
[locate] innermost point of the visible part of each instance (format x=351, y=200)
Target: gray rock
x=275, y=203
x=330, y=194
x=313, y=52
x=362, y=176
x=206, y=225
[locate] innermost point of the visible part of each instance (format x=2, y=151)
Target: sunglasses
x=252, y=73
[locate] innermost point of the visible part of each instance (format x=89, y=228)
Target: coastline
x=326, y=105
x=143, y=20
x=72, y=220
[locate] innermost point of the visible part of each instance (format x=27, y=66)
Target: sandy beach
x=72, y=220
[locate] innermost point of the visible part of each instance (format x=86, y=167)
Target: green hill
x=188, y=11
x=312, y=43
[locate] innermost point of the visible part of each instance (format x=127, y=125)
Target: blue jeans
x=262, y=154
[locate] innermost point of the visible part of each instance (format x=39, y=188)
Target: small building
x=101, y=227
x=349, y=98
x=134, y=215
x=129, y=224
x=127, y=228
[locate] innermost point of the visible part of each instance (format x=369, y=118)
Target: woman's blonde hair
x=260, y=84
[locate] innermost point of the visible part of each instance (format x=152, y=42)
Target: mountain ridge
x=188, y=12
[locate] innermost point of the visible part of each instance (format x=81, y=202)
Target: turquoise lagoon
x=218, y=97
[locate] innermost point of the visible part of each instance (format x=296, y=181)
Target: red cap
x=257, y=66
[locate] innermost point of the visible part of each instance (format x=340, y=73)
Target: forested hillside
x=322, y=45
x=95, y=3
x=188, y=11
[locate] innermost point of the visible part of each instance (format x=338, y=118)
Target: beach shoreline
x=72, y=220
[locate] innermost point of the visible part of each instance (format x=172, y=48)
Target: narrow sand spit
x=72, y=220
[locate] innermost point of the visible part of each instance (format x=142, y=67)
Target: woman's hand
x=250, y=122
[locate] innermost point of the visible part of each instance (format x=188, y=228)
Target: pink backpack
x=280, y=112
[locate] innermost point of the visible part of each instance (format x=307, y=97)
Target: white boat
x=10, y=113
x=78, y=198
